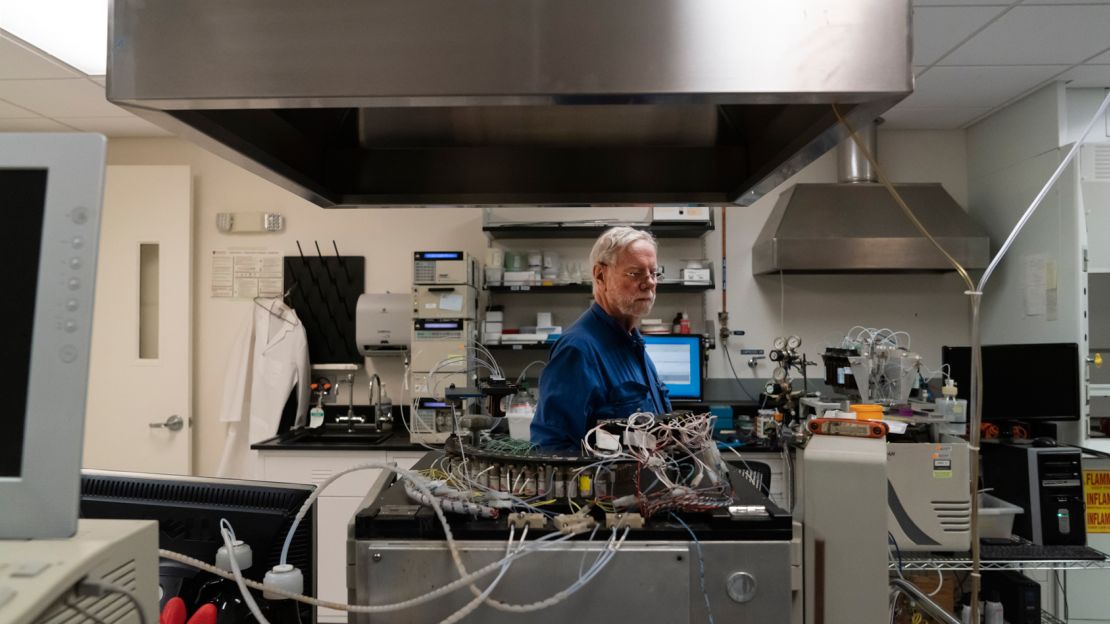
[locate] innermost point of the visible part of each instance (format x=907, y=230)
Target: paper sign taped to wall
x=246, y=273
x=1096, y=491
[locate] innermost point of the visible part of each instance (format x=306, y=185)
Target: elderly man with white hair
x=598, y=368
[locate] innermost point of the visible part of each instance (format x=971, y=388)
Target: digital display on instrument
x=455, y=325
x=439, y=255
x=678, y=359
x=22, y=210
x=431, y=403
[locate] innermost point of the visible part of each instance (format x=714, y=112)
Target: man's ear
x=599, y=274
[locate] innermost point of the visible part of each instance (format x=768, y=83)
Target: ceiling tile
x=11, y=111
x=75, y=97
x=902, y=118
x=944, y=87
x=116, y=126
x=1101, y=59
x=1038, y=35
x=936, y=30
x=20, y=60
x=36, y=124
x=1095, y=76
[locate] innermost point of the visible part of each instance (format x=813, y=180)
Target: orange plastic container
x=867, y=411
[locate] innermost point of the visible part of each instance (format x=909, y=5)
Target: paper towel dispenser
x=383, y=323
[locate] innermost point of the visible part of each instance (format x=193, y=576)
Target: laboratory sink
x=340, y=433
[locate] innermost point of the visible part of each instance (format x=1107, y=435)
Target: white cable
x=1040, y=196
x=474, y=604
x=940, y=584
x=534, y=546
x=229, y=543
x=89, y=587
x=599, y=564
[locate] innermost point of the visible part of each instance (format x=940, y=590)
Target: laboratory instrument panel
x=444, y=304
x=443, y=267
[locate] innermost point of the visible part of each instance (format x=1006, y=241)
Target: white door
x=139, y=415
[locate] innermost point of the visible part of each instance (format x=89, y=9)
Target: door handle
x=173, y=423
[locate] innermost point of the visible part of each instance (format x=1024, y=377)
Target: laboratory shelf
x=520, y=346
x=662, y=287
x=919, y=562
x=593, y=230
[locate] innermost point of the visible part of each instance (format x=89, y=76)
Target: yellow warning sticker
x=1096, y=490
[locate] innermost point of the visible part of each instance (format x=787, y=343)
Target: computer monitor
x=678, y=358
x=51, y=187
x=1037, y=382
x=188, y=511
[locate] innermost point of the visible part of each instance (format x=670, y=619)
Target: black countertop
x=290, y=441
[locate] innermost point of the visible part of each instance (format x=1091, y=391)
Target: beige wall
x=384, y=237
x=818, y=308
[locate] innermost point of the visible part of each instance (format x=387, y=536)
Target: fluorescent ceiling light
x=73, y=31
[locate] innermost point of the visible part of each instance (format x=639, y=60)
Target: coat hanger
x=274, y=302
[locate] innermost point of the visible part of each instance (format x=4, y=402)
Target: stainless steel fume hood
x=533, y=102
x=855, y=226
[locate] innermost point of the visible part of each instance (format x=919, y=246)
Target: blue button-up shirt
x=597, y=370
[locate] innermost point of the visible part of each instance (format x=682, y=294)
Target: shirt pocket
x=626, y=399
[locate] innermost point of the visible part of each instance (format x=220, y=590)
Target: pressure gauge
x=775, y=355
x=778, y=343
x=793, y=342
x=779, y=374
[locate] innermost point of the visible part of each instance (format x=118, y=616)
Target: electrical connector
x=623, y=520
x=576, y=522
x=520, y=520
x=625, y=502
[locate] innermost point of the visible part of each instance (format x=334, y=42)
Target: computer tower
x=1046, y=482
x=1019, y=594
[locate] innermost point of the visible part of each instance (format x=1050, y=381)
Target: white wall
x=817, y=308
x=1012, y=154
x=1081, y=104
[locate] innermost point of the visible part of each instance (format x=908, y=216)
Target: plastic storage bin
x=996, y=517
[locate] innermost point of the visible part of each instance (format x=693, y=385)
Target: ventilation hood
x=856, y=227
x=417, y=102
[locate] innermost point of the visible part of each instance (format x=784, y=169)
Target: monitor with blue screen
x=678, y=358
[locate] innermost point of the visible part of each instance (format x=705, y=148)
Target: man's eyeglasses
x=643, y=276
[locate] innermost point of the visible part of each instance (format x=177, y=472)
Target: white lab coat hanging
x=268, y=359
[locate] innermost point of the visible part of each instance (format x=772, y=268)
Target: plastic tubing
x=228, y=534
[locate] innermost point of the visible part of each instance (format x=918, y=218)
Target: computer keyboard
x=1038, y=552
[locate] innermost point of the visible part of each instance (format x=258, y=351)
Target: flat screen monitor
x=1021, y=381
x=678, y=358
x=51, y=187
x=188, y=511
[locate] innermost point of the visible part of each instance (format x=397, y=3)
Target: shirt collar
x=633, y=336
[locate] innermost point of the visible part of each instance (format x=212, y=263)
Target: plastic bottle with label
x=948, y=407
x=684, y=324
